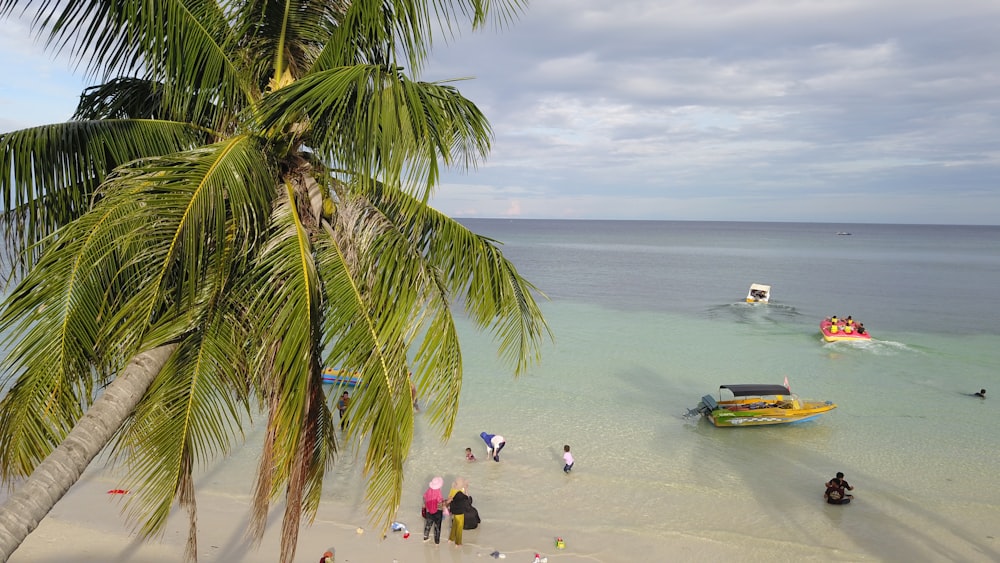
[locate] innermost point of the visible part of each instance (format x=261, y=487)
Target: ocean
x=650, y=316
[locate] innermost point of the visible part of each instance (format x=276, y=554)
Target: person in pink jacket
x=432, y=509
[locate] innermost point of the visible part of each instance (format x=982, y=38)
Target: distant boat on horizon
x=844, y=233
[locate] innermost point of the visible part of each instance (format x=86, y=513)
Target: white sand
x=86, y=526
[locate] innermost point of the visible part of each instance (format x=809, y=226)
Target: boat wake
x=873, y=346
x=754, y=313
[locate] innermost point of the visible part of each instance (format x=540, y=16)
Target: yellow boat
x=341, y=377
x=759, y=405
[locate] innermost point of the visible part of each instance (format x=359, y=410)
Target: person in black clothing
x=458, y=505
x=981, y=394
x=835, y=490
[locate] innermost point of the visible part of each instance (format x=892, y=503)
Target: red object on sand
x=117, y=492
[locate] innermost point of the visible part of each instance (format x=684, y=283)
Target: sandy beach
x=85, y=526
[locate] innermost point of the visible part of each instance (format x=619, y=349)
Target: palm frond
x=376, y=295
x=414, y=292
x=185, y=210
x=192, y=414
x=195, y=408
x=391, y=266
x=285, y=305
x=182, y=44
x=286, y=37
x=48, y=174
x=376, y=123
x=35, y=414
x=495, y=295
x=371, y=30
x=52, y=326
x=135, y=98
x=247, y=256
x=121, y=98
x=111, y=275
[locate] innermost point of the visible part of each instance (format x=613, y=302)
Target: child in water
x=567, y=458
x=468, y=455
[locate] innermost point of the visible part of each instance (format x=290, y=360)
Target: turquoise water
x=648, y=318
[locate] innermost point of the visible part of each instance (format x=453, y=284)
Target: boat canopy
x=755, y=389
x=760, y=287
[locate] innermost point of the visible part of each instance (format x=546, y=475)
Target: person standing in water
x=458, y=503
x=342, y=405
x=494, y=443
x=433, y=504
x=567, y=459
x=413, y=396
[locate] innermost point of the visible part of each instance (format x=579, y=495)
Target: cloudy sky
x=758, y=110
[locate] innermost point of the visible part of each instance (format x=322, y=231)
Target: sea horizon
x=791, y=222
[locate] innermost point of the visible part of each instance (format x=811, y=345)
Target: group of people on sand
x=847, y=326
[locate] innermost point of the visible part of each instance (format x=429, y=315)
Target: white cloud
x=761, y=110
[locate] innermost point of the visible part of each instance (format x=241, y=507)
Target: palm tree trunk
x=22, y=512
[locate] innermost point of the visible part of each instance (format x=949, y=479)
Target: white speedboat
x=759, y=293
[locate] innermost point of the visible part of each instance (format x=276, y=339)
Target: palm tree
x=242, y=200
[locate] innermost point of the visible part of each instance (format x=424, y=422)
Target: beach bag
x=471, y=519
